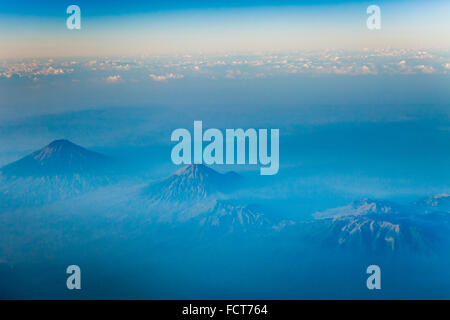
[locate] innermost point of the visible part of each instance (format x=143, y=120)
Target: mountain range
x=202, y=196
x=199, y=196
x=383, y=226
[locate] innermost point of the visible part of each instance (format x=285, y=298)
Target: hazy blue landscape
x=348, y=194
x=87, y=178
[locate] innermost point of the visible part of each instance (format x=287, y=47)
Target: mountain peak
x=60, y=157
x=61, y=143
x=61, y=148
x=192, y=182
x=367, y=205
x=361, y=207
x=193, y=166
x=195, y=169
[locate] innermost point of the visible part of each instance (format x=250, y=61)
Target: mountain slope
x=192, y=183
x=378, y=235
x=229, y=218
x=59, y=170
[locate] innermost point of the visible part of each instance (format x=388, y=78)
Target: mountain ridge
x=383, y=226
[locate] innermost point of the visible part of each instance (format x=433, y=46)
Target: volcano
x=193, y=182
x=61, y=157
x=59, y=170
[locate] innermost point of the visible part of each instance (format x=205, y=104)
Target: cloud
x=368, y=70
x=389, y=61
x=425, y=69
x=121, y=67
x=50, y=71
x=231, y=74
x=343, y=70
x=113, y=79
x=6, y=74
x=162, y=78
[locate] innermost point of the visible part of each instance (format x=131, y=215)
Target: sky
x=38, y=29
x=362, y=111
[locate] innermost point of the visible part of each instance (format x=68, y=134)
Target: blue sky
x=37, y=29
x=117, y=7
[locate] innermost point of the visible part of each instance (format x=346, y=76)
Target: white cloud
x=162, y=78
x=367, y=70
x=113, y=79
x=425, y=69
x=231, y=74
x=122, y=67
x=50, y=71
